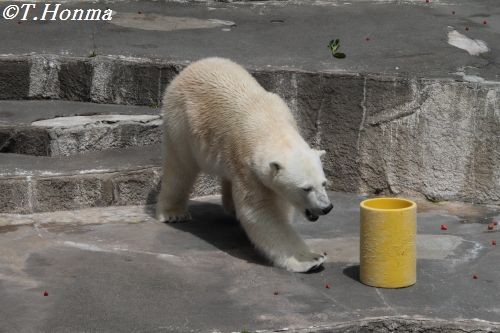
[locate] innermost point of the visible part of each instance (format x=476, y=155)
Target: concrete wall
x=383, y=134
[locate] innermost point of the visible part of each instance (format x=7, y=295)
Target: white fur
x=219, y=120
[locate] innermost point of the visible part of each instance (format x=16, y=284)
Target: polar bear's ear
x=320, y=153
x=275, y=167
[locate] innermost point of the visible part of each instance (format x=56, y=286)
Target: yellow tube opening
x=387, y=204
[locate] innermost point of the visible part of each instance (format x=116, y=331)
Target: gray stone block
x=24, y=140
x=136, y=187
x=482, y=182
x=44, y=82
x=80, y=134
x=15, y=195
x=206, y=185
x=167, y=74
x=75, y=79
x=443, y=145
x=125, y=82
x=72, y=192
x=338, y=101
x=387, y=93
x=14, y=78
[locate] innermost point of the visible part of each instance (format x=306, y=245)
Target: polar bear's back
x=216, y=83
x=218, y=108
x=217, y=91
x=219, y=76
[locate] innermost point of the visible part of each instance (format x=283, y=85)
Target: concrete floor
x=404, y=36
x=116, y=269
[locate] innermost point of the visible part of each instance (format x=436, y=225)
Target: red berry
x=427, y=1
x=327, y=286
x=139, y=12
x=453, y=12
x=444, y=227
x=276, y=293
x=495, y=223
x=466, y=28
x=485, y=22
x=367, y=39
x=474, y=277
x=493, y=242
x=491, y=226
x=45, y=293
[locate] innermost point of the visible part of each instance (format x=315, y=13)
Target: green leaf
x=335, y=48
x=333, y=43
x=339, y=55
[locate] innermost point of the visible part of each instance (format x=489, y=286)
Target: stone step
x=54, y=128
x=125, y=176
x=383, y=133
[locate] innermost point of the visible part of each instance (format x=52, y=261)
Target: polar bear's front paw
x=304, y=262
x=172, y=216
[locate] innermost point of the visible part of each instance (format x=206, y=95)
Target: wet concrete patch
x=151, y=21
x=346, y=249
x=8, y=228
x=68, y=228
x=463, y=211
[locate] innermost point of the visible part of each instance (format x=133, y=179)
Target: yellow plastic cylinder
x=387, y=242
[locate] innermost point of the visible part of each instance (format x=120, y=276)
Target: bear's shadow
x=211, y=224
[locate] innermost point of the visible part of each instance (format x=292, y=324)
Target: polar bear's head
x=299, y=177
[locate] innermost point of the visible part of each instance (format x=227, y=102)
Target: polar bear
x=219, y=120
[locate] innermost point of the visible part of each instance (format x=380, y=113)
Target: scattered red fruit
x=276, y=293
x=427, y=1
x=327, y=286
x=491, y=226
x=466, y=28
x=493, y=242
x=495, y=223
x=444, y=227
x=485, y=22
x=453, y=12
x=19, y=22
x=474, y=277
x=45, y=293
x=139, y=12
x=367, y=39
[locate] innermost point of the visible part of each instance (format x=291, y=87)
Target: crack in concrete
x=362, y=123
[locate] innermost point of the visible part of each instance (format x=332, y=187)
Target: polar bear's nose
x=327, y=209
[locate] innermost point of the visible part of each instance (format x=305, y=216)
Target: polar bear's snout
x=327, y=209
x=313, y=215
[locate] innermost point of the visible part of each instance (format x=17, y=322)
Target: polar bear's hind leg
x=176, y=185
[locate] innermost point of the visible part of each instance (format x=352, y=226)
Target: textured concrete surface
x=27, y=111
x=124, y=176
x=383, y=134
x=405, y=36
x=116, y=269
x=54, y=128
x=405, y=112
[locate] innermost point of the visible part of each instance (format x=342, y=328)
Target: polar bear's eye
x=307, y=189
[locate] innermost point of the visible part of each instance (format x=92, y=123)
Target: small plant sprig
x=334, y=45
